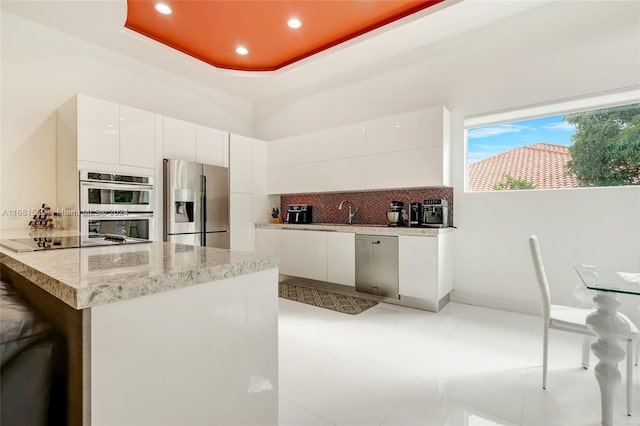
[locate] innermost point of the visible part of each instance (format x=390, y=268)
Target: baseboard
x=505, y=304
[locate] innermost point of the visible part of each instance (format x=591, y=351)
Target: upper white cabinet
x=183, y=140
x=137, y=137
x=212, y=146
x=344, y=174
x=340, y=142
x=401, y=151
x=295, y=150
x=402, y=169
x=179, y=139
x=295, y=179
x=411, y=130
x=241, y=164
x=98, y=130
x=93, y=130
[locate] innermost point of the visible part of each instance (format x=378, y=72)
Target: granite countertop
x=359, y=228
x=93, y=276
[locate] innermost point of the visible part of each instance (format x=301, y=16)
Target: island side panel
x=71, y=324
x=205, y=354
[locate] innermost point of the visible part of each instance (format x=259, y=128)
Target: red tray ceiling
x=210, y=30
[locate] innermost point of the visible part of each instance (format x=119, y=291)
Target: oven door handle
x=124, y=216
x=117, y=186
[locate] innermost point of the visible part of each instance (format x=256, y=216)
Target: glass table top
x=606, y=279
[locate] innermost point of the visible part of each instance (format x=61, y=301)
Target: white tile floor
x=464, y=366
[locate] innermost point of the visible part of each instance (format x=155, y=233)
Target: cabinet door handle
x=375, y=242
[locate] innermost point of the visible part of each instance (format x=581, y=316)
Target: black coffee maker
x=415, y=214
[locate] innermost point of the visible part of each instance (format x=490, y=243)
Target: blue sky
x=484, y=142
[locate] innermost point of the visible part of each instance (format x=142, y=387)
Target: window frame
x=559, y=107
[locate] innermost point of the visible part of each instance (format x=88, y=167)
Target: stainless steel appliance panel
x=377, y=265
x=100, y=196
x=216, y=211
x=217, y=239
x=183, y=196
x=135, y=225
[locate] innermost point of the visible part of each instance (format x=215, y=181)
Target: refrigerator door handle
x=203, y=222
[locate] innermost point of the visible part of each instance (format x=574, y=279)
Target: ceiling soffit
x=211, y=31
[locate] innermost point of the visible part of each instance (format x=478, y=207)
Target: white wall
x=558, y=51
x=42, y=68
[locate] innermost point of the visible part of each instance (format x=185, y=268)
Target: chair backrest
x=541, y=276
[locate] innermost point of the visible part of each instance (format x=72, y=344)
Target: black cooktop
x=50, y=243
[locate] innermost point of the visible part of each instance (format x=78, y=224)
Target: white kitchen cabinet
x=402, y=151
x=403, y=169
x=262, y=204
x=345, y=174
x=137, y=137
x=241, y=164
x=179, y=139
x=303, y=254
x=411, y=130
x=341, y=258
x=298, y=178
x=241, y=222
x=340, y=142
x=425, y=268
x=267, y=241
x=293, y=150
x=98, y=130
x=211, y=146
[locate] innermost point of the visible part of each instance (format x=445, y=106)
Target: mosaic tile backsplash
x=372, y=205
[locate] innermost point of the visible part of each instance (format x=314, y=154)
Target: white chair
x=572, y=319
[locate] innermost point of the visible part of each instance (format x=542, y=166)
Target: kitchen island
x=159, y=333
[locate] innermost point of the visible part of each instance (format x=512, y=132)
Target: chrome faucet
x=351, y=214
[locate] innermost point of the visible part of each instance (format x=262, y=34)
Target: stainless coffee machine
x=298, y=213
x=435, y=213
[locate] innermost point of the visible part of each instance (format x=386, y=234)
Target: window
x=581, y=146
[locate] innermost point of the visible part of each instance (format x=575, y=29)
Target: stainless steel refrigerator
x=196, y=204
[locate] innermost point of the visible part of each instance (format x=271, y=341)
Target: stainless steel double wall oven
x=119, y=204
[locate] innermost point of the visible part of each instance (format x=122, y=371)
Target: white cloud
x=563, y=125
x=485, y=132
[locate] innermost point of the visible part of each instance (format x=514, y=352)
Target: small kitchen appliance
x=299, y=213
x=415, y=214
x=435, y=213
x=395, y=216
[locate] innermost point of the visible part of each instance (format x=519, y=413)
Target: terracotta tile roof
x=541, y=163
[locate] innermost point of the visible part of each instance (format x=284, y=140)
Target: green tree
x=513, y=183
x=606, y=146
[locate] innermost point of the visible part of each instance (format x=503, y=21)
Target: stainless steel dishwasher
x=377, y=265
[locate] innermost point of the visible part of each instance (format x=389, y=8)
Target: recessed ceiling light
x=241, y=50
x=163, y=8
x=294, y=23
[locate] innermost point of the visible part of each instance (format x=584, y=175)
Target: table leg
x=609, y=328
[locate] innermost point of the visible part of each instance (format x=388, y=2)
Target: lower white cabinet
x=341, y=258
x=267, y=241
x=303, y=254
x=424, y=267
